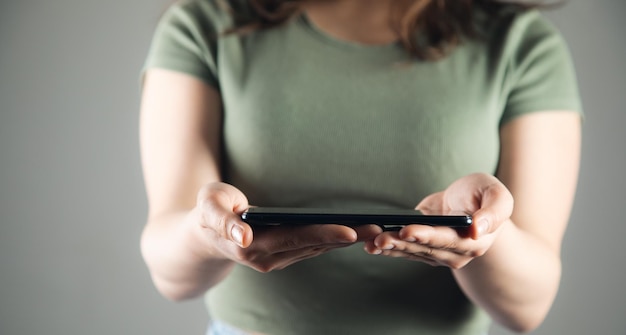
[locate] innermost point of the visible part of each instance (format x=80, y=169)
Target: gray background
x=71, y=195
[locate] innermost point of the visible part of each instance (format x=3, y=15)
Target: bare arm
x=180, y=139
x=518, y=277
x=194, y=234
x=509, y=263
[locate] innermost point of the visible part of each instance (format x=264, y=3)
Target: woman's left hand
x=481, y=195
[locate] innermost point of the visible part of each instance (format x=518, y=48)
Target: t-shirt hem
x=188, y=70
x=539, y=108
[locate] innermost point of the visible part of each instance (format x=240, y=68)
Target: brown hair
x=428, y=29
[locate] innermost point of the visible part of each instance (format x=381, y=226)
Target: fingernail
x=373, y=252
x=236, y=233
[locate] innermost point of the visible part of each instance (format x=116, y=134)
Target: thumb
x=239, y=232
x=496, y=206
x=221, y=205
x=432, y=204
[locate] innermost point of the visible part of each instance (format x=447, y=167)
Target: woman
x=444, y=105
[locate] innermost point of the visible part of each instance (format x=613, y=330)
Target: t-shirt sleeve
x=186, y=40
x=541, y=73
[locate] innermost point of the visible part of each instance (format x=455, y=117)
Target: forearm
x=516, y=281
x=179, y=268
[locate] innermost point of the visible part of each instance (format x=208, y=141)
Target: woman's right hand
x=224, y=234
x=192, y=239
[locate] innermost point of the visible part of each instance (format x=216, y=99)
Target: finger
x=496, y=206
x=402, y=249
x=281, y=260
x=230, y=227
x=434, y=258
x=421, y=253
x=432, y=204
x=414, y=240
x=225, y=194
x=371, y=248
x=421, y=238
x=413, y=249
x=386, y=240
x=277, y=261
x=308, y=253
x=428, y=254
x=433, y=237
x=286, y=238
x=220, y=206
x=367, y=232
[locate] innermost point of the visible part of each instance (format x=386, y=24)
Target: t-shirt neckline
x=314, y=30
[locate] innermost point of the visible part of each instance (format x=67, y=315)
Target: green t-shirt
x=313, y=121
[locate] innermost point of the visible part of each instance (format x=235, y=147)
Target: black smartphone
x=388, y=219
